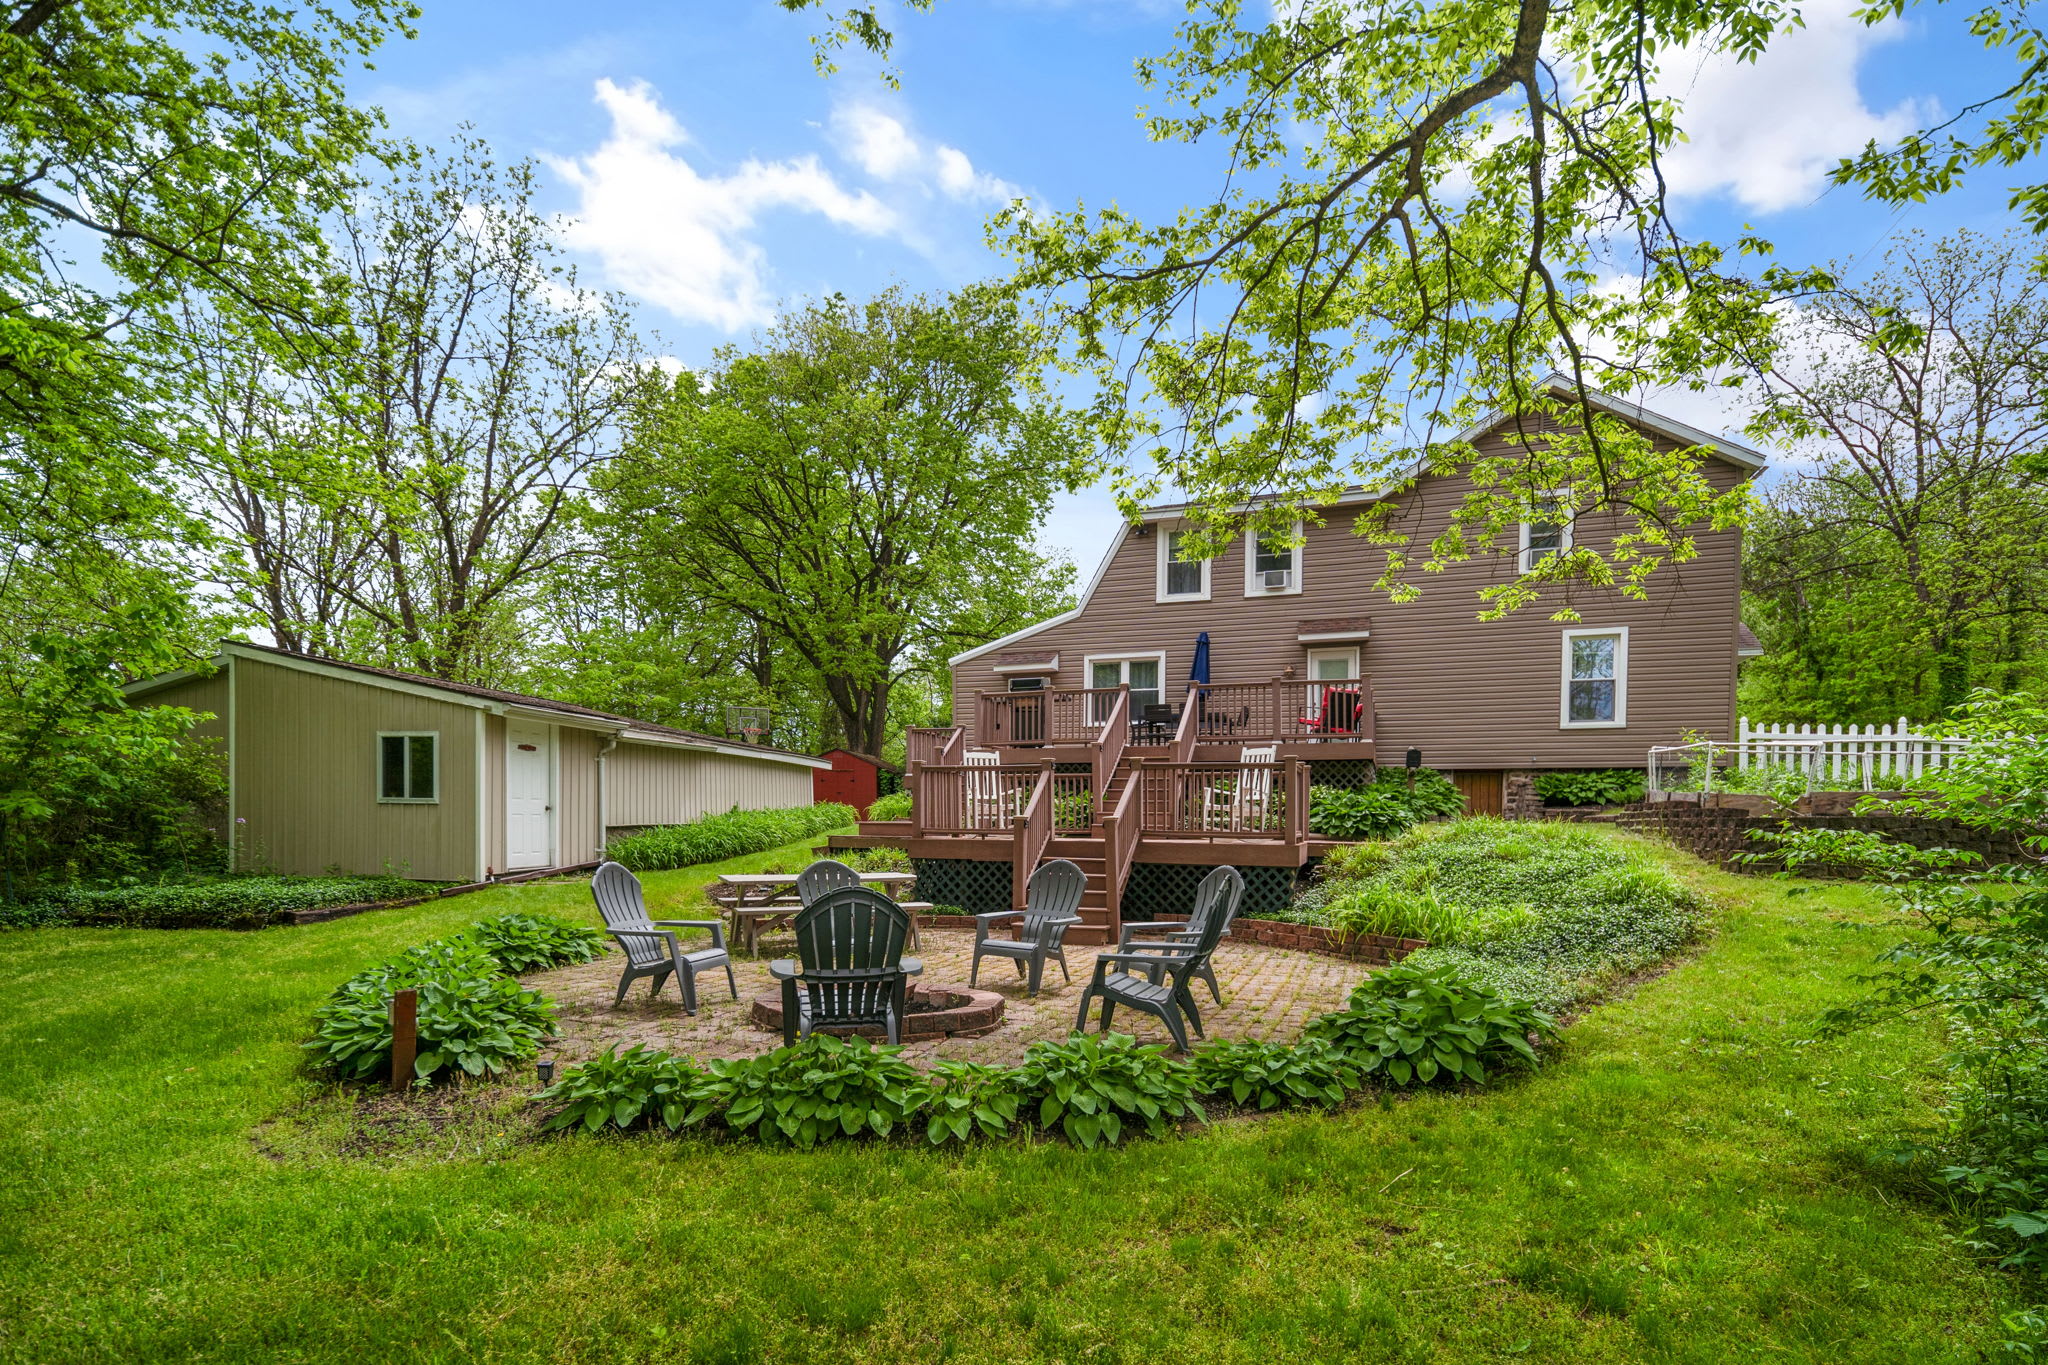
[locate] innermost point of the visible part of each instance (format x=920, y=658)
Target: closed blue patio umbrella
x=1198, y=672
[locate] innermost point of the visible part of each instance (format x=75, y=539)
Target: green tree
x=1902, y=563
x=865, y=487
x=1426, y=207
x=471, y=386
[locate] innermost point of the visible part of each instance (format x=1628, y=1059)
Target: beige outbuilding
x=337, y=765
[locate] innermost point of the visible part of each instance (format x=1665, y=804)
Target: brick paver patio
x=1267, y=993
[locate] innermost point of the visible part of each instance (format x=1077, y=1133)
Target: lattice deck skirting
x=1156, y=890
x=1351, y=774
x=975, y=887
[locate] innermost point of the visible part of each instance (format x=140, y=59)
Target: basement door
x=529, y=795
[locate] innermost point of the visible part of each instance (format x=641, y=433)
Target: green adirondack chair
x=849, y=969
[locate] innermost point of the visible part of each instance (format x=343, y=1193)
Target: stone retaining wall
x=1719, y=834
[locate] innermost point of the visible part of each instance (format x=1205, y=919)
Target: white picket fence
x=1846, y=756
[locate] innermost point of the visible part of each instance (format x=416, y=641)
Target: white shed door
x=529, y=809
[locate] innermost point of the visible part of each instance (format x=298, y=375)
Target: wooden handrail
x=1120, y=847
x=1033, y=832
x=1230, y=800
x=1190, y=725
x=1109, y=744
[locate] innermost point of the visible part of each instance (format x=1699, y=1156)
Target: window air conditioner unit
x=1274, y=580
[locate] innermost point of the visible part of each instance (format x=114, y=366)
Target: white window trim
x=1251, y=560
x=1165, y=557
x=1564, y=690
x=1320, y=650
x=1088, y=667
x=1564, y=534
x=384, y=800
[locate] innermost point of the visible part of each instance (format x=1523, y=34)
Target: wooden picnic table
x=759, y=901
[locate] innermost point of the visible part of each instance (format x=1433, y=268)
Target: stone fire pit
x=931, y=1012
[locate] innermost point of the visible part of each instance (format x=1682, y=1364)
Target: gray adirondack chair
x=826, y=874
x=1051, y=899
x=1221, y=892
x=849, y=969
x=650, y=945
x=1137, y=983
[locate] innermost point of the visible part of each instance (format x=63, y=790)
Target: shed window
x=409, y=766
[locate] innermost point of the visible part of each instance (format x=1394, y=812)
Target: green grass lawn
x=1683, y=1184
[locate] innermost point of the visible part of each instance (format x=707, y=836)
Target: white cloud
x=880, y=144
x=1766, y=132
x=679, y=238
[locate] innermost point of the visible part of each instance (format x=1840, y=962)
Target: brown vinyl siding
x=306, y=777
x=1468, y=693
x=652, y=784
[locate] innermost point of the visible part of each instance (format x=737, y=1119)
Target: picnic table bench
x=757, y=902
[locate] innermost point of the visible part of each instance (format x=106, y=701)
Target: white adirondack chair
x=1246, y=804
x=984, y=791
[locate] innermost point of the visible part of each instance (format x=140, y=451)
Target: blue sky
x=710, y=173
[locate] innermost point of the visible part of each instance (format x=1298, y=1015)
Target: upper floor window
x=1181, y=580
x=1595, y=678
x=1271, y=564
x=1547, y=532
x=409, y=766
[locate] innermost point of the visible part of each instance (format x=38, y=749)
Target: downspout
x=611, y=742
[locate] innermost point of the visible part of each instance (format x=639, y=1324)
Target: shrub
x=1273, y=1075
x=528, y=943
x=1418, y=1024
x=1429, y=795
x=1595, y=787
x=1371, y=908
x=894, y=806
x=822, y=1088
x=1093, y=1085
x=226, y=903
x=1373, y=813
x=875, y=859
x=472, y=1018
x=619, y=1089
x=968, y=1097
x=731, y=835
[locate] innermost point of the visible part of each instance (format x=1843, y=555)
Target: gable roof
x=489, y=698
x=1557, y=382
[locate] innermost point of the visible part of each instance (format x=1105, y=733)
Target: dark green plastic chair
x=1051, y=900
x=1140, y=985
x=826, y=874
x=849, y=971
x=1214, y=896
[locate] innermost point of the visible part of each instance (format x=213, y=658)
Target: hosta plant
x=1374, y=813
x=530, y=943
x=619, y=1089
x=969, y=1097
x=472, y=1018
x=1265, y=1075
x=1422, y=1024
x=1096, y=1087
x=820, y=1089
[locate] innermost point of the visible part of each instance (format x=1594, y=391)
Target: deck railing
x=972, y=798
x=1285, y=708
x=1073, y=803
x=1052, y=715
x=1223, y=800
x=1120, y=844
x=1034, y=832
x=1111, y=739
x=923, y=744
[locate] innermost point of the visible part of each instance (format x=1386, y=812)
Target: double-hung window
x=1181, y=580
x=409, y=766
x=1595, y=678
x=1547, y=532
x=1271, y=563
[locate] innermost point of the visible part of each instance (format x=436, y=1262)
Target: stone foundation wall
x=1518, y=798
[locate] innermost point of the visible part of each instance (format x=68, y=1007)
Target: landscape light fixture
x=546, y=1071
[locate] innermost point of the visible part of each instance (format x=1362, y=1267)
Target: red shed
x=854, y=779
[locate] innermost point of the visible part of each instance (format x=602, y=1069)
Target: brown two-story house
x=1312, y=669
